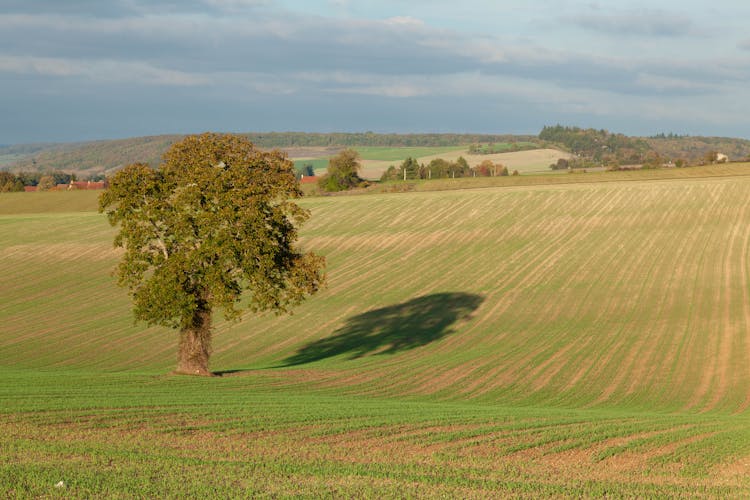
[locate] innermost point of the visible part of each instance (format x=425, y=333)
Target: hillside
x=580, y=335
x=695, y=149
x=105, y=156
x=382, y=150
x=618, y=293
x=92, y=157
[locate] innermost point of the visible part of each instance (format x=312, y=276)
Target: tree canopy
x=212, y=226
x=343, y=172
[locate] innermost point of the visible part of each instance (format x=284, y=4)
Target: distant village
x=71, y=186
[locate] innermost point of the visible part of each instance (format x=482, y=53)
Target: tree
x=409, y=169
x=562, y=164
x=485, y=169
x=9, y=182
x=307, y=170
x=462, y=166
x=214, y=220
x=46, y=183
x=439, y=168
x=343, y=172
x=390, y=175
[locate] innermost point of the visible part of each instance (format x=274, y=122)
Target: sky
x=78, y=70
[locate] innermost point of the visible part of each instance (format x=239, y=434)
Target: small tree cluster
x=343, y=172
x=440, y=168
x=9, y=183
x=489, y=169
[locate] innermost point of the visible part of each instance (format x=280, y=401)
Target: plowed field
x=582, y=339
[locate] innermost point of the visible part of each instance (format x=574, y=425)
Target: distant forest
x=303, y=139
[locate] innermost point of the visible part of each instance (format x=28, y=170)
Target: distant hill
x=600, y=146
x=92, y=157
x=106, y=156
x=695, y=149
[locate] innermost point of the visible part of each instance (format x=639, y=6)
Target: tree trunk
x=195, y=345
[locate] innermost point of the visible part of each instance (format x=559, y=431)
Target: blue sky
x=88, y=69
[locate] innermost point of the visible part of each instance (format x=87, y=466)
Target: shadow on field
x=391, y=329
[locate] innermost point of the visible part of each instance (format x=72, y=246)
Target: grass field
x=588, y=338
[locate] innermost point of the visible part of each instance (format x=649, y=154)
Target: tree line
x=350, y=139
x=10, y=182
x=440, y=168
x=599, y=147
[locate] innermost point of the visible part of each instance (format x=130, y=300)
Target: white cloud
x=107, y=71
x=637, y=22
x=404, y=21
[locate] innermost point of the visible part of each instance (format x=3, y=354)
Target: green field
x=400, y=154
x=319, y=165
x=587, y=338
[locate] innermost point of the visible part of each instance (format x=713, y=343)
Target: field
x=589, y=338
x=526, y=162
x=376, y=160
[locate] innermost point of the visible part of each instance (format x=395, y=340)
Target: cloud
x=255, y=53
x=404, y=21
x=646, y=22
x=189, y=50
x=103, y=71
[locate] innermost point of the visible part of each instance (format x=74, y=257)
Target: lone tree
x=214, y=221
x=343, y=172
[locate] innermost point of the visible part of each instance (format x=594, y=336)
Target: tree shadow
x=391, y=329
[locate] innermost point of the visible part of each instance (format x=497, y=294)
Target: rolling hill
x=549, y=339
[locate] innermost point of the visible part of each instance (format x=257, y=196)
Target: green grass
x=48, y=202
x=580, y=339
x=133, y=434
x=400, y=154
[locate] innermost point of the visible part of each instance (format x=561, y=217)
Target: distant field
x=379, y=155
x=400, y=154
x=588, y=335
x=533, y=161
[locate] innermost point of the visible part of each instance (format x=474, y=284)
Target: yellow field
x=534, y=161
